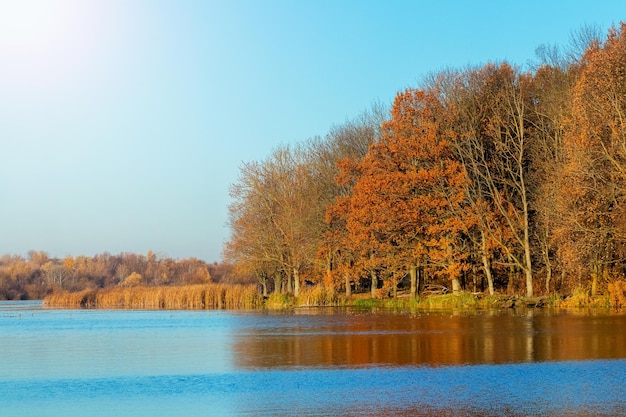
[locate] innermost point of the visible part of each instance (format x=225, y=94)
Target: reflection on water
x=311, y=362
x=364, y=339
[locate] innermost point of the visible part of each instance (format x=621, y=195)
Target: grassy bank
x=317, y=296
x=223, y=296
x=190, y=297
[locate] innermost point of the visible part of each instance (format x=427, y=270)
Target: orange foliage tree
x=406, y=207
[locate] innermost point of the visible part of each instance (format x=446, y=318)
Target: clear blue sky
x=124, y=122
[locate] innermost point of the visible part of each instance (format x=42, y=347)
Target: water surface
x=311, y=362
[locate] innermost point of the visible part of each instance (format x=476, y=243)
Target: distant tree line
x=37, y=275
x=487, y=178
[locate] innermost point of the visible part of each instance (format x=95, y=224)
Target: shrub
x=580, y=298
x=133, y=280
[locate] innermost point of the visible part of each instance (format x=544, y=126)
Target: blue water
x=586, y=388
x=134, y=363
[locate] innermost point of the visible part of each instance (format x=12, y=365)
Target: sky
x=123, y=123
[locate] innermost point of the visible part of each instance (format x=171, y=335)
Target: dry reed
x=317, y=295
x=617, y=294
x=190, y=297
x=83, y=299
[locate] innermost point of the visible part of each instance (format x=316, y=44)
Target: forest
x=489, y=179
x=38, y=274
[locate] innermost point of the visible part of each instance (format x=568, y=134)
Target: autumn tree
x=344, y=147
x=592, y=202
x=275, y=217
x=465, y=96
x=494, y=144
x=133, y=280
x=55, y=273
x=405, y=210
x=369, y=238
x=555, y=75
x=549, y=110
x=252, y=246
x=20, y=279
x=279, y=204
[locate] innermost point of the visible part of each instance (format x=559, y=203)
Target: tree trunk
x=474, y=282
x=278, y=283
x=509, y=285
x=263, y=280
x=528, y=267
x=529, y=283
x=548, y=277
x=348, y=288
x=595, y=273
x=486, y=263
x=289, y=282
x=374, y=283
x=528, y=270
x=546, y=260
x=413, y=274
x=374, y=279
x=296, y=282
x=456, y=286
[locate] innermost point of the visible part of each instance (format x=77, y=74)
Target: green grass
x=434, y=302
x=366, y=303
x=462, y=300
x=279, y=302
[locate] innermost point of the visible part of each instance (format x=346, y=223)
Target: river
x=310, y=362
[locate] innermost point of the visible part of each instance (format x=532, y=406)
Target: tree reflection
x=349, y=340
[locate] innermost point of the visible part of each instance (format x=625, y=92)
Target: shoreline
x=246, y=297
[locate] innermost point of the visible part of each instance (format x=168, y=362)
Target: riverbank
x=460, y=301
x=223, y=296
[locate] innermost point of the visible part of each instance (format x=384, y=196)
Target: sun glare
x=43, y=42
x=30, y=27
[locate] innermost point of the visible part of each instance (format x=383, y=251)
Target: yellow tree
x=594, y=195
x=253, y=247
x=133, y=280
x=276, y=217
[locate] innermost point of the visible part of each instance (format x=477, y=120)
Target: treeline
x=488, y=178
x=38, y=274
